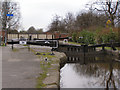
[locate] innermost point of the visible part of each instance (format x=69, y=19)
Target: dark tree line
x=72, y=23
x=32, y=30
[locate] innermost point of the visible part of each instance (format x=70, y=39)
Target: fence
x=40, y=36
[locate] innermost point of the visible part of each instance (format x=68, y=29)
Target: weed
x=15, y=50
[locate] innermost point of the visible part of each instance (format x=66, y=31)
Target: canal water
x=102, y=72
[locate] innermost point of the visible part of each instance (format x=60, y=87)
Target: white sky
x=39, y=13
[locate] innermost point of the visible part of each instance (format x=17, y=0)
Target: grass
x=118, y=48
x=40, y=79
x=78, y=43
x=3, y=44
x=45, y=54
x=74, y=43
x=15, y=50
x=25, y=45
x=44, y=66
x=48, y=55
x=109, y=48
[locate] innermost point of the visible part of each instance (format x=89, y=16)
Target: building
x=57, y=34
x=60, y=35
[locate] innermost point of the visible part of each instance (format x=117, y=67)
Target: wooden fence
x=40, y=36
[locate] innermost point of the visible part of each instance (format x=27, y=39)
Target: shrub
x=74, y=37
x=107, y=35
x=88, y=37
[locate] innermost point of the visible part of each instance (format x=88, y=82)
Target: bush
x=88, y=37
x=107, y=35
x=74, y=37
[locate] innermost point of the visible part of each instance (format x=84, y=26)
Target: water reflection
x=102, y=72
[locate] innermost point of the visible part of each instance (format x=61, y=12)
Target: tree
x=119, y=22
x=40, y=31
x=0, y=23
x=108, y=7
x=118, y=16
x=12, y=31
x=64, y=25
x=89, y=19
x=31, y=30
x=54, y=26
x=0, y=16
x=69, y=22
x=23, y=32
x=10, y=22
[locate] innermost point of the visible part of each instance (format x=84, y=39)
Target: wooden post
x=28, y=47
x=103, y=47
x=94, y=48
x=18, y=35
x=12, y=44
x=28, y=36
x=52, y=46
x=46, y=35
x=37, y=36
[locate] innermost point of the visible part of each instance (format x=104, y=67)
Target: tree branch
x=116, y=8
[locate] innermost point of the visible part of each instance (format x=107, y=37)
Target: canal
x=95, y=72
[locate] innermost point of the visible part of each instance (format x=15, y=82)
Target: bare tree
x=118, y=15
x=39, y=31
x=10, y=22
x=89, y=19
x=0, y=23
x=56, y=24
x=108, y=7
x=0, y=16
x=69, y=22
x=64, y=25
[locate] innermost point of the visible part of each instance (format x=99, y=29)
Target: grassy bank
x=47, y=67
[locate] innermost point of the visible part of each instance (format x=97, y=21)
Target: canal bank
x=50, y=64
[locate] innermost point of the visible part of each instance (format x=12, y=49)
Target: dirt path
x=20, y=68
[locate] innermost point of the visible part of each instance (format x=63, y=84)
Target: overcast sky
x=39, y=13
